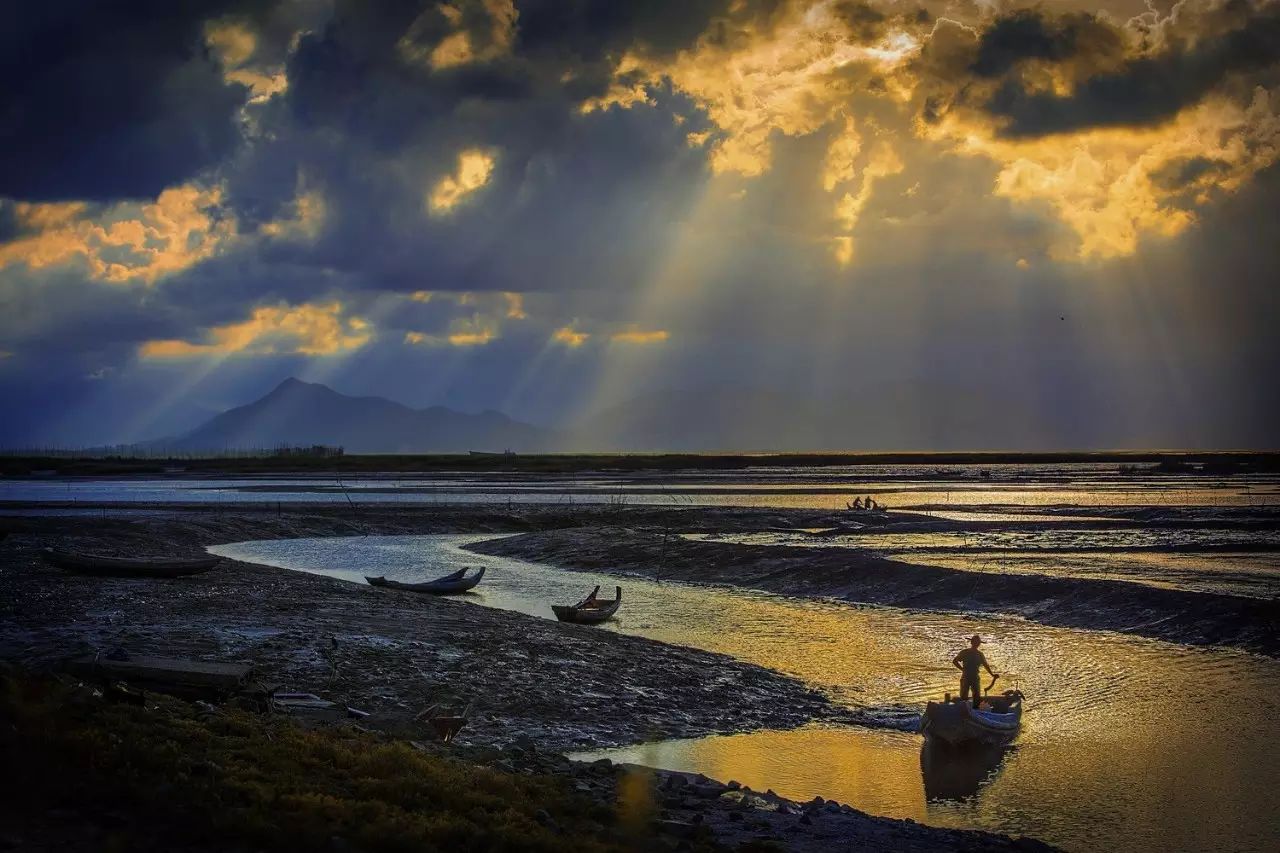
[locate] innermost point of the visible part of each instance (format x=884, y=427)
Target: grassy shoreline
x=178, y=774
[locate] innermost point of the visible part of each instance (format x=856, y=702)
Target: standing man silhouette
x=968, y=662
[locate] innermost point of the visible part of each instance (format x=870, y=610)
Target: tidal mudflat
x=768, y=646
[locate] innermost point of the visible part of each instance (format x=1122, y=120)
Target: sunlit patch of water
x=1114, y=554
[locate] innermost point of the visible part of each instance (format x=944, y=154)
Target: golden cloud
x=126, y=242
x=1108, y=164
x=1106, y=184
x=306, y=329
x=235, y=45
x=473, y=171
x=515, y=306
x=305, y=217
x=231, y=41
x=804, y=67
x=633, y=335
x=792, y=72
x=570, y=337
x=475, y=330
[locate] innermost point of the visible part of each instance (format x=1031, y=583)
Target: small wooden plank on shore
x=160, y=673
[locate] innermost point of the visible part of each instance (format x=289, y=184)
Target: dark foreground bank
x=99, y=775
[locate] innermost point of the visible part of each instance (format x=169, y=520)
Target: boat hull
x=960, y=723
x=583, y=616
x=444, y=586
x=93, y=564
x=590, y=610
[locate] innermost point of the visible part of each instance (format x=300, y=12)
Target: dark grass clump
x=170, y=775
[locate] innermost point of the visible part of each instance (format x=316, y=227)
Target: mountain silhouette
x=885, y=417
x=300, y=413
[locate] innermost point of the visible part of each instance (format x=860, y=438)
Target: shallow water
x=1030, y=486
x=1115, y=554
x=1129, y=743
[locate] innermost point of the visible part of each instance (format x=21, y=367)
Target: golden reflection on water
x=1128, y=743
x=878, y=772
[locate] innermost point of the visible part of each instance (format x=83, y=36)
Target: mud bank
x=852, y=575
x=562, y=685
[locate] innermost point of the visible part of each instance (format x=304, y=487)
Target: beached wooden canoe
x=195, y=679
x=589, y=610
x=459, y=581
x=958, y=722
x=128, y=567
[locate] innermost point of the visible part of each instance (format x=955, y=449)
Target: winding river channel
x=1129, y=744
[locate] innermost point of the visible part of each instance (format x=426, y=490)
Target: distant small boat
x=97, y=564
x=589, y=610
x=459, y=581
x=956, y=721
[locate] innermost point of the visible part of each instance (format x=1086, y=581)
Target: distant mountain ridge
x=298, y=413
x=884, y=418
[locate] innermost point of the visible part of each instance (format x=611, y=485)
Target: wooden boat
x=192, y=679
x=444, y=723
x=459, y=581
x=96, y=564
x=956, y=721
x=589, y=610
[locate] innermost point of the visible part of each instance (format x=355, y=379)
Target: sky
x=1060, y=216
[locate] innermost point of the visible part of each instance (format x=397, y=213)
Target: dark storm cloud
x=110, y=100
x=1178, y=174
x=1146, y=90
x=589, y=30
x=10, y=226
x=575, y=200
x=1031, y=34
x=1115, y=78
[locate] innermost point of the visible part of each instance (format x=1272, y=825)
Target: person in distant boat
x=969, y=662
x=857, y=504
x=871, y=503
